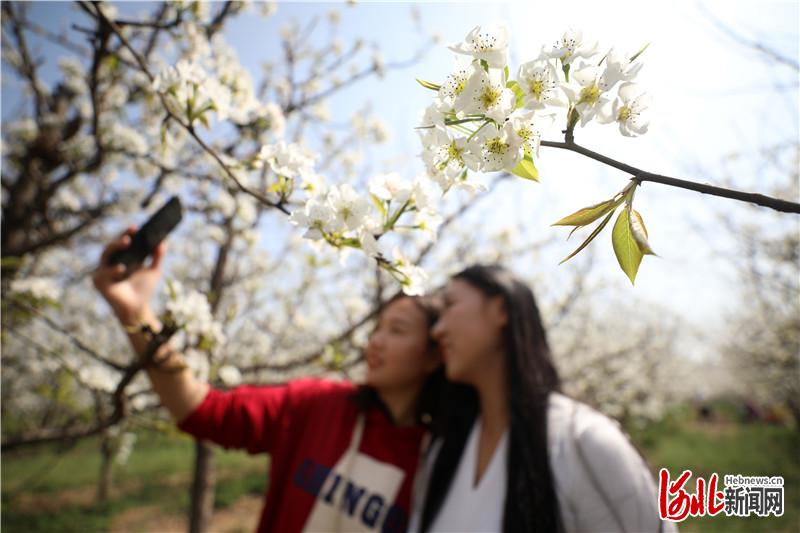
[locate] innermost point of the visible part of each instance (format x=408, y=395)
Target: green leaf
x=640, y=233
x=526, y=169
x=505, y=72
x=202, y=118
x=587, y=215
x=171, y=290
x=485, y=65
x=637, y=54
x=379, y=204
x=11, y=262
x=514, y=86
x=589, y=239
x=625, y=246
x=428, y=85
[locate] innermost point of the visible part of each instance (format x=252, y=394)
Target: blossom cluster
x=190, y=311
x=483, y=121
x=208, y=80
x=344, y=218
x=38, y=288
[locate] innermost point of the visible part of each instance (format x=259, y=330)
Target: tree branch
x=642, y=175
x=188, y=127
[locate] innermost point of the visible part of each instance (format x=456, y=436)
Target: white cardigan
x=601, y=481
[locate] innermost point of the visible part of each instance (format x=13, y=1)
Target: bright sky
x=712, y=97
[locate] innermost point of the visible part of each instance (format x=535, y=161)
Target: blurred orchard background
x=698, y=360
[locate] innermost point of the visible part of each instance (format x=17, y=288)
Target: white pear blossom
x=446, y=177
x=224, y=202
x=268, y=8
x=24, y=130
x=197, y=362
x=379, y=131
x=321, y=111
x=218, y=96
x=349, y=208
x=289, y=160
x=230, y=375
x=118, y=136
x=390, y=187
x=443, y=151
x=489, y=44
x=378, y=63
x=74, y=74
x=272, y=116
x=588, y=90
x=627, y=110
x=538, y=80
x=455, y=83
x=572, y=46
x=619, y=67
x=116, y=96
x=486, y=94
x=315, y=216
x=433, y=115
x=349, y=159
x=428, y=222
x=196, y=41
x=412, y=277
x=499, y=147
x=313, y=183
x=529, y=127
x=176, y=79
x=38, y=287
x=190, y=311
x=191, y=91
x=246, y=211
x=126, y=442
x=423, y=195
x=369, y=244
x=98, y=377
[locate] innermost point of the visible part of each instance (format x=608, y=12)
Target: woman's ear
x=496, y=311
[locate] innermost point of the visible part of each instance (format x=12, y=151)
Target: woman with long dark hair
x=342, y=457
x=517, y=455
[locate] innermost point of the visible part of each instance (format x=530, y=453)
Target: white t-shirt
x=475, y=508
x=601, y=482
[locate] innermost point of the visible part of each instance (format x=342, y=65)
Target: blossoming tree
x=159, y=104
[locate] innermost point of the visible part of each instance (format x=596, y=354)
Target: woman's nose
x=375, y=340
x=438, y=330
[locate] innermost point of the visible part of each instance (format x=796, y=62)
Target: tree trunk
x=202, y=502
x=106, y=463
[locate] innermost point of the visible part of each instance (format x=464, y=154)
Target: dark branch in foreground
x=641, y=175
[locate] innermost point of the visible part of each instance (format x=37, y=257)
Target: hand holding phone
x=121, y=279
x=144, y=241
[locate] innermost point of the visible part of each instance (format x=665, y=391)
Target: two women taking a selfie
x=459, y=426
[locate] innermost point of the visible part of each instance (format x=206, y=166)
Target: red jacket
x=307, y=427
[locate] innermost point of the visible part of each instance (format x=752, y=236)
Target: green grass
x=39, y=486
x=727, y=447
x=158, y=473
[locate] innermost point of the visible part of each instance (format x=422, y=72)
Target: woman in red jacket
x=343, y=457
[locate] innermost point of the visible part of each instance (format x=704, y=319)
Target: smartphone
x=147, y=238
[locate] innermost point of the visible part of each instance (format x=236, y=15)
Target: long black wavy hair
x=531, y=504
